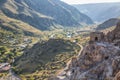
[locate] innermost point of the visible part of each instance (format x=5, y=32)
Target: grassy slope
x=46, y=57
x=17, y=26
x=108, y=23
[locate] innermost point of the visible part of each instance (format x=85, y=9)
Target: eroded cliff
x=99, y=60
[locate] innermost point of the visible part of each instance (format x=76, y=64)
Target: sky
x=88, y=1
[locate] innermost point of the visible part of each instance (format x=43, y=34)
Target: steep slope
x=99, y=60
x=114, y=36
x=17, y=27
x=93, y=64
x=100, y=11
x=50, y=56
x=43, y=14
x=107, y=24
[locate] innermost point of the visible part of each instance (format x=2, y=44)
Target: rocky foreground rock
x=99, y=60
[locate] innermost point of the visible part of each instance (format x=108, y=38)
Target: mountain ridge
x=99, y=11
x=44, y=14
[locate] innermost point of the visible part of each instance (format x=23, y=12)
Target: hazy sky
x=88, y=1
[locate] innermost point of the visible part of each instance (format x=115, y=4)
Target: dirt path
x=62, y=74
x=81, y=49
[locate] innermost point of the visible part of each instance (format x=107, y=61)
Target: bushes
x=6, y=55
x=3, y=50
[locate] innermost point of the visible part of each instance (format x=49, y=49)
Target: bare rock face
x=114, y=36
x=99, y=60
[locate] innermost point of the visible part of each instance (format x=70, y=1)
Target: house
x=96, y=36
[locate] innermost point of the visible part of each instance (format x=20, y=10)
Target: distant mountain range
x=43, y=14
x=100, y=12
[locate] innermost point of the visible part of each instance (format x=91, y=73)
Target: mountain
x=107, y=24
x=99, y=60
x=43, y=14
x=100, y=12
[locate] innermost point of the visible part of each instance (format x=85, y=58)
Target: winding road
x=81, y=49
x=62, y=76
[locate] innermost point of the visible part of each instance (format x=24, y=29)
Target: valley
x=53, y=40
x=61, y=39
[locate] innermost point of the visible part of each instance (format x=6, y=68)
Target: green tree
x=3, y=50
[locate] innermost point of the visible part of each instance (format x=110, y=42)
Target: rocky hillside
x=114, y=36
x=100, y=12
x=99, y=60
x=43, y=14
x=107, y=24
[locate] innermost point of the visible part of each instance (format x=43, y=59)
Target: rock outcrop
x=114, y=36
x=99, y=60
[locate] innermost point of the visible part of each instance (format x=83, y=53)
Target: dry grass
x=18, y=25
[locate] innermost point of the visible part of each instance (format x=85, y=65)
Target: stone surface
x=114, y=36
x=99, y=60
x=96, y=36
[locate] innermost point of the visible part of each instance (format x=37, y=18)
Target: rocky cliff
x=99, y=60
x=114, y=36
